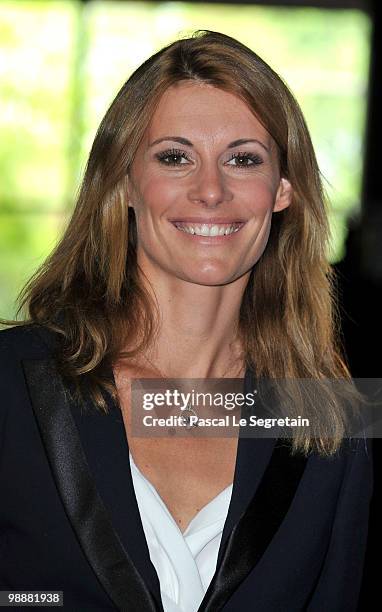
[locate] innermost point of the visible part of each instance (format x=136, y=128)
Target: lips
x=208, y=229
x=207, y=220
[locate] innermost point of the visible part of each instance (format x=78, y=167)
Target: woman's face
x=204, y=185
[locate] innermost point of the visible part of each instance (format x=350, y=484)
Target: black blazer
x=294, y=538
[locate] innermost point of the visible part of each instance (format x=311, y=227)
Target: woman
x=197, y=249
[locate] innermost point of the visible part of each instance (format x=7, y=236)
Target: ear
x=283, y=196
x=128, y=188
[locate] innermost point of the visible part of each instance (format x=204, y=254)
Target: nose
x=209, y=186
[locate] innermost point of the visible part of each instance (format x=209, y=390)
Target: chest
x=186, y=476
x=187, y=472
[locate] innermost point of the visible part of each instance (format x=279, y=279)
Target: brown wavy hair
x=90, y=289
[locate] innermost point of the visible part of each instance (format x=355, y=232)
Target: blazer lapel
x=265, y=482
x=253, y=455
x=91, y=520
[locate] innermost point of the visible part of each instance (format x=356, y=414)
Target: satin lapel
x=86, y=511
x=265, y=482
x=105, y=444
x=253, y=455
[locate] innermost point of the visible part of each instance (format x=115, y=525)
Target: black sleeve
x=339, y=583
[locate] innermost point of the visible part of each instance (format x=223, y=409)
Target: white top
x=185, y=562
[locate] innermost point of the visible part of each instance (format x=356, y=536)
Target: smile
x=209, y=229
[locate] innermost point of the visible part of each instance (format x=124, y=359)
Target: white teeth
x=207, y=230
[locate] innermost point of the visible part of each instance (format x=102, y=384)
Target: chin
x=209, y=278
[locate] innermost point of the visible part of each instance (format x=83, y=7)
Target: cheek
x=259, y=196
x=156, y=194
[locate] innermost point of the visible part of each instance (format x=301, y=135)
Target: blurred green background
x=62, y=62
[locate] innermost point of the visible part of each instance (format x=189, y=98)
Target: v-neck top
x=185, y=562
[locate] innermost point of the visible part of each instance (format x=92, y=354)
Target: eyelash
x=255, y=159
x=171, y=153
x=161, y=157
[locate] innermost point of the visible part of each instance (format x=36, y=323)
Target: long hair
x=90, y=289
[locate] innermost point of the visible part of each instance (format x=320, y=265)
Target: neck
x=197, y=336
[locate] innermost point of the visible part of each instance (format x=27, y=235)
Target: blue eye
x=172, y=157
x=245, y=160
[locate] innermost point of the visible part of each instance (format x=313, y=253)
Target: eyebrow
x=185, y=141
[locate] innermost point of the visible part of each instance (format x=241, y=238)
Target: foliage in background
x=62, y=62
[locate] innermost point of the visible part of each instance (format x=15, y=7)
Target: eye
x=245, y=160
x=173, y=157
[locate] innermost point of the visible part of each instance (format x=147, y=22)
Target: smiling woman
x=218, y=193
x=196, y=250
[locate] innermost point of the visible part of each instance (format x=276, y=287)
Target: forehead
x=206, y=111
